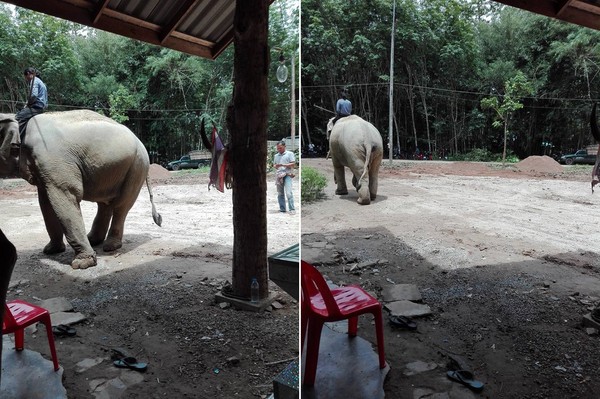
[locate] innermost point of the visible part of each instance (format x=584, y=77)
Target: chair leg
x=48, y=324
x=379, y=331
x=312, y=351
x=303, y=326
x=353, y=326
x=20, y=339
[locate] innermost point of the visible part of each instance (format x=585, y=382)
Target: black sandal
x=403, y=322
x=62, y=330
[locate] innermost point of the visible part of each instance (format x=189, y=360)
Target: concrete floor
x=347, y=367
x=27, y=375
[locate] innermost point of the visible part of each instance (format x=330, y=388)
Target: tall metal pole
x=391, y=109
x=294, y=100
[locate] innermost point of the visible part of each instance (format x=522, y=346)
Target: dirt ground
x=507, y=259
x=154, y=297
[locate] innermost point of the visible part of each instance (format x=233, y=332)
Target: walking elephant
x=357, y=144
x=73, y=156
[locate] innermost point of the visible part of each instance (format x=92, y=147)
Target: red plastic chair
x=18, y=315
x=320, y=304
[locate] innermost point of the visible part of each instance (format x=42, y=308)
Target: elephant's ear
x=8, y=134
x=7, y=118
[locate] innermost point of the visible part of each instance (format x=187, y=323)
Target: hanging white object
x=282, y=73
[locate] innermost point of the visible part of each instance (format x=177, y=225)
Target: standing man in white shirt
x=284, y=162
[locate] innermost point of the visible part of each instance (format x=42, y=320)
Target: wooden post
x=247, y=122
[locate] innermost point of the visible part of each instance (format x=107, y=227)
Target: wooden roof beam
x=562, y=7
x=99, y=11
x=573, y=11
x=185, y=9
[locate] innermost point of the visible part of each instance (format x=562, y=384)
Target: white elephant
x=357, y=144
x=73, y=156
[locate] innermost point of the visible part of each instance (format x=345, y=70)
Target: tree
x=514, y=89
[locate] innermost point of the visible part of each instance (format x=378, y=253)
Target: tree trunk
x=247, y=122
x=505, y=136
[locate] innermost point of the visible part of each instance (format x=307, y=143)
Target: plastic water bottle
x=254, y=290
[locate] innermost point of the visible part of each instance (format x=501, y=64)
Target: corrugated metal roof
x=199, y=27
x=581, y=12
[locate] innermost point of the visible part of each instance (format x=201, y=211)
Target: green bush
x=483, y=155
x=312, y=184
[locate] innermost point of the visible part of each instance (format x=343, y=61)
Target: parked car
x=580, y=157
x=186, y=162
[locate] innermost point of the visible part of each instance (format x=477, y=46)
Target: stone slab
x=587, y=321
x=244, y=304
x=407, y=308
x=347, y=368
x=26, y=374
x=401, y=292
x=58, y=304
x=67, y=318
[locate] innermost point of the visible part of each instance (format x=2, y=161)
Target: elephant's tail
x=155, y=215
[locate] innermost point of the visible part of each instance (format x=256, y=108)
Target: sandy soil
x=506, y=257
x=155, y=296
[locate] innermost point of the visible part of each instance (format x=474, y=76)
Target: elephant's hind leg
x=364, y=198
x=374, y=176
x=339, y=176
x=100, y=226
x=121, y=207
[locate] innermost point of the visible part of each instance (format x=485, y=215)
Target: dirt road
x=506, y=257
x=155, y=296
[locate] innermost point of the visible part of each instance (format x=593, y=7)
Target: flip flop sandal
x=465, y=377
x=403, y=322
x=62, y=330
x=130, y=363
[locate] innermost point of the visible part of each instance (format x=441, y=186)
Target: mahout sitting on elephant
x=73, y=156
x=357, y=144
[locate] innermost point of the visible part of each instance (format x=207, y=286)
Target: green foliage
x=159, y=94
x=484, y=155
x=313, y=183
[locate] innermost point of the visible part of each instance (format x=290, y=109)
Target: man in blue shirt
x=37, y=102
x=343, y=107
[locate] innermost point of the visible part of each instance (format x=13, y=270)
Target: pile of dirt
x=537, y=163
x=158, y=172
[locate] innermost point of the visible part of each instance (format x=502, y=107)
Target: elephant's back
x=74, y=118
x=354, y=125
x=76, y=125
x=85, y=133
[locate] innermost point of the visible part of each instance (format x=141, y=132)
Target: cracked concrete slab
x=26, y=374
x=407, y=308
x=347, y=367
x=401, y=292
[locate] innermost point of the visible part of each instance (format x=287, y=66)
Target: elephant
x=72, y=156
x=357, y=144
